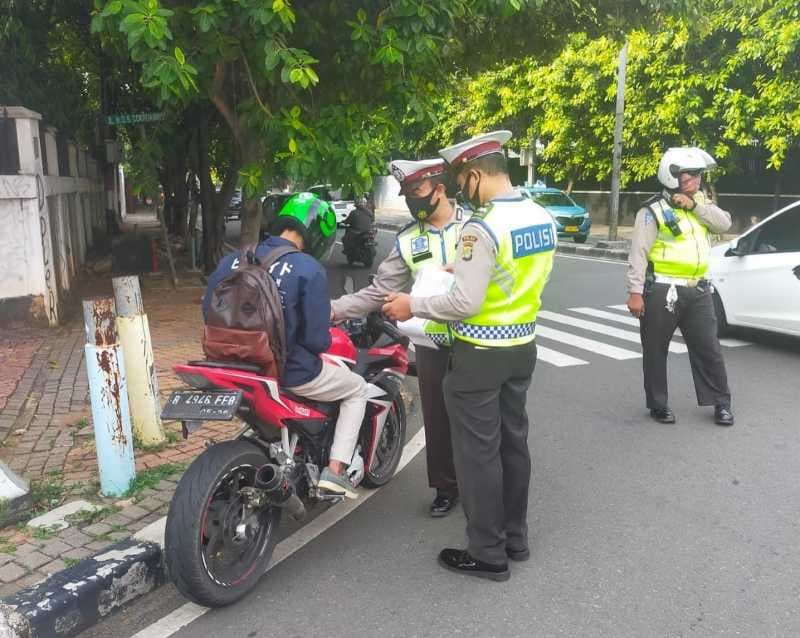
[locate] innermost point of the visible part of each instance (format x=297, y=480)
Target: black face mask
x=473, y=200
x=421, y=207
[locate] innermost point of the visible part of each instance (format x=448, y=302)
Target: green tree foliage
x=46, y=63
x=728, y=80
x=310, y=90
x=759, y=76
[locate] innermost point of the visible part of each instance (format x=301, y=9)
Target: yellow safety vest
x=525, y=237
x=421, y=246
x=684, y=256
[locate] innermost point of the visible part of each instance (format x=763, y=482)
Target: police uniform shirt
x=645, y=232
x=475, y=261
x=393, y=275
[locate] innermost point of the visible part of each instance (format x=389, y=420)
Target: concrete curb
x=592, y=251
x=76, y=598
x=563, y=247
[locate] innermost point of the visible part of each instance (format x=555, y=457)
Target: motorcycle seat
x=326, y=407
x=230, y=365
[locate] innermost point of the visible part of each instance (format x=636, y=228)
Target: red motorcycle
x=223, y=521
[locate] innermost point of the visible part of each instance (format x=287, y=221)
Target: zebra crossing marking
x=558, y=359
x=592, y=326
x=583, y=343
x=633, y=321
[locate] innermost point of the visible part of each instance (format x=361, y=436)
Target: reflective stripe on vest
x=526, y=238
x=425, y=246
x=684, y=256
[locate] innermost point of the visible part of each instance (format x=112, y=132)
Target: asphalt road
x=637, y=529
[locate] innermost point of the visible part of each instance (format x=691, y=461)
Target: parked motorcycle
x=223, y=521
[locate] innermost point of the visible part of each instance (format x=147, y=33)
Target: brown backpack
x=245, y=318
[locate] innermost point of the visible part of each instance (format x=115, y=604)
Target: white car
x=757, y=275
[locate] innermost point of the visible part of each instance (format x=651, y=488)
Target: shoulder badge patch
x=467, y=243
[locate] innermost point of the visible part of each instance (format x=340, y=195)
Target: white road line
x=633, y=321
x=580, y=258
x=734, y=343
x=188, y=613
x=592, y=326
x=557, y=358
x=598, y=347
x=611, y=316
x=621, y=306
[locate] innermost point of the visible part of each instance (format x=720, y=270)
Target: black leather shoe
x=459, y=561
x=519, y=555
x=723, y=416
x=442, y=505
x=663, y=415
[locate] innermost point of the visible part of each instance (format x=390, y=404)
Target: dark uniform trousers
x=431, y=368
x=485, y=392
x=694, y=314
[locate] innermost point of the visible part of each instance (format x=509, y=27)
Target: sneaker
x=336, y=484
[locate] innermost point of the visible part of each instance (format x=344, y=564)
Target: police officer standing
x=429, y=241
x=666, y=284
x=504, y=260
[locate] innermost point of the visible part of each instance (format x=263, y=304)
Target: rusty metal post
x=105, y=368
x=140, y=369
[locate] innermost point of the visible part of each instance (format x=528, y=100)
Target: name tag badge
x=532, y=240
x=419, y=245
x=420, y=249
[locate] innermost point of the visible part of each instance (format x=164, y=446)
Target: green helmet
x=313, y=218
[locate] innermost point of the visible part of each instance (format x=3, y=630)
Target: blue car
x=571, y=219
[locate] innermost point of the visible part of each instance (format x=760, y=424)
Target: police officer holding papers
x=667, y=286
x=428, y=242
x=503, y=262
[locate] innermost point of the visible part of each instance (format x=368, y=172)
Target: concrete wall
x=47, y=225
x=387, y=195
x=742, y=206
x=22, y=273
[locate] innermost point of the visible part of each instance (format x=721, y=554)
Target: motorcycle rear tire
x=385, y=471
x=183, y=546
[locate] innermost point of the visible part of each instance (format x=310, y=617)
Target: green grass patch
x=48, y=492
x=148, y=479
x=172, y=437
x=46, y=533
x=89, y=517
x=71, y=562
x=8, y=548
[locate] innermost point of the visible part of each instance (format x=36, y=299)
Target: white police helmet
x=683, y=158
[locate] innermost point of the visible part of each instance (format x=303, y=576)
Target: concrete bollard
x=105, y=367
x=140, y=369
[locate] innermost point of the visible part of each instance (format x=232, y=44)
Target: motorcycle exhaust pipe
x=279, y=491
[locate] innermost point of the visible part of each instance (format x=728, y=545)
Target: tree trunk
x=251, y=150
x=212, y=238
x=179, y=200
x=570, y=184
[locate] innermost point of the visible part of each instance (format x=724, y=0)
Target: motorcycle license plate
x=571, y=229
x=202, y=405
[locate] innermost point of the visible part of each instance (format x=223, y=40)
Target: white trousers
x=335, y=383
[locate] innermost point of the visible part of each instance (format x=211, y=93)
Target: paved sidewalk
x=46, y=433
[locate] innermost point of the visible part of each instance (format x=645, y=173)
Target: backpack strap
x=275, y=254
